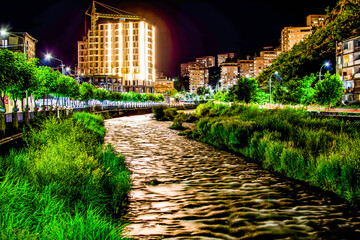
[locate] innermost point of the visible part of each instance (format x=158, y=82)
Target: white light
x=109, y=48
x=48, y=56
x=142, y=58
x=3, y=32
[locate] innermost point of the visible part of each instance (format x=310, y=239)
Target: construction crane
x=117, y=14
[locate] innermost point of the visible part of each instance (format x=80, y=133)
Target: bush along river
x=184, y=189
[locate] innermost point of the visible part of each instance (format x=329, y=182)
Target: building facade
x=348, y=67
x=118, y=52
x=199, y=77
x=314, y=20
x=185, y=68
x=19, y=42
x=208, y=61
x=163, y=84
x=293, y=35
x=222, y=57
x=229, y=74
x=246, y=68
x=265, y=60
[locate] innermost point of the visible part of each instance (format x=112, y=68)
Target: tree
x=200, y=90
x=25, y=77
x=245, y=90
x=86, y=91
x=7, y=73
x=330, y=90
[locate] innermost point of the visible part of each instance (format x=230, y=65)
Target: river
x=183, y=189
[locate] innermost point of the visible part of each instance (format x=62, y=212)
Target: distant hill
x=342, y=22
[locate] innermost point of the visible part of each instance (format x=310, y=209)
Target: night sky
x=185, y=29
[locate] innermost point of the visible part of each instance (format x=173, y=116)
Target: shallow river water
x=185, y=189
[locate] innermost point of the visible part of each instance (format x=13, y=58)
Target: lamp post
x=276, y=73
x=326, y=64
x=48, y=57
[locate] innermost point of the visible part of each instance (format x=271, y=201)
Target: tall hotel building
x=118, y=52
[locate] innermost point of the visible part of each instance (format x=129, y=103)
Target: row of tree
x=300, y=91
x=20, y=78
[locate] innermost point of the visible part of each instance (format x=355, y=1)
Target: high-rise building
x=229, y=74
x=118, y=51
x=246, y=68
x=185, y=68
x=199, y=77
x=19, y=42
x=292, y=35
x=314, y=20
x=222, y=57
x=265, y=60
x=208, y=61
x=348, y=67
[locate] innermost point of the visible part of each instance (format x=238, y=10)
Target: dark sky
x=185, y=29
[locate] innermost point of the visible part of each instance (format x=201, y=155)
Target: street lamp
x=276, y=73
x=326, y=64
x=48, y=57
x=4, y=33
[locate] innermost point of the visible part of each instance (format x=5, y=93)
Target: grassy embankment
x=64, y=184
x=321, y=151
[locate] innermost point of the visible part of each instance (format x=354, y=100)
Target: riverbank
x=64, y=184
x=320, y=151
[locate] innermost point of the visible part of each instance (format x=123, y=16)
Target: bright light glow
x=3, y=32
x=48, y=56
x=327, y=64
x=146, y=47
x=68, y=69
x=131, y=42
x=109, y=48
x=120, y=49
x=142, y=59
x=276, y=72
x=153, y=55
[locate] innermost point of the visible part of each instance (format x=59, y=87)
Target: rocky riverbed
x=185, y=189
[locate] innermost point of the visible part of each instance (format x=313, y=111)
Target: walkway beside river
x=184, y=189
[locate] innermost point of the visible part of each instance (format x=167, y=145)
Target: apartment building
x=246, y=68
x=163, y=83
x=207, y=61
x=348, y=67
x=185, y=68
x=19, y=42
x=265, y=60
x=293, y=35
x=199, y=77
x=229, y=74
x=222, y=57
x=314, y=20
x=118, y=52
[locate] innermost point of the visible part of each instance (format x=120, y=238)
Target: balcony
x=357, y=75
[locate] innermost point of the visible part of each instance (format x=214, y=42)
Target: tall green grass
x=321, y=151
x=64, y=184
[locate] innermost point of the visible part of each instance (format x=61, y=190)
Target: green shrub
x=159, y=112
x=170, y=113
x=321, y=151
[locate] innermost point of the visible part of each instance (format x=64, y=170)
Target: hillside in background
x=342, y=22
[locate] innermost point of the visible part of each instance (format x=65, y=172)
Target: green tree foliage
x=7, y=73
x=24, y=71
x=330, y=90
x=245, y=90
x=306, y=57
